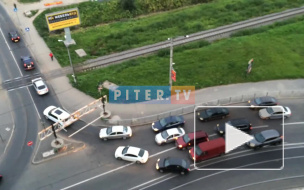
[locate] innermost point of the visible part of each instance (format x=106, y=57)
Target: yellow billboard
x=63, y=19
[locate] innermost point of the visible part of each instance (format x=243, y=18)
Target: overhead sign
x=63, y=19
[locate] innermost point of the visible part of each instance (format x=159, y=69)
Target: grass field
x=278, y=54
x=28, y=1
x=119, y=36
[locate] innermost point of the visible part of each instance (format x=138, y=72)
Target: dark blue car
x=168, y=122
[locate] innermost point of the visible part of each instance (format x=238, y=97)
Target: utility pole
x=171, y=62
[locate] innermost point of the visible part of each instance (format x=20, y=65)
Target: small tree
x=128, y=5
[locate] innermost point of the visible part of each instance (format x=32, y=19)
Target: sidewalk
x=72, y=99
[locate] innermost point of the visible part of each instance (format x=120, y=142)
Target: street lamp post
x=171, y=59
x=67, y=46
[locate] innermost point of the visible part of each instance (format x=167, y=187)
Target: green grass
x=119, y=36
x=278, y=54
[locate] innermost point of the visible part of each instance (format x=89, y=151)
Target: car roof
x=212, y=144
x=118, y=128
x=13, y=32
x=199, y=134
x=39, y=83
x=62, y=115
x=172, y=131
x=176, y=161
x=268, y=99
x=173, y=118
x=239, y=121
x=277, y=109
x=270, y=133
x=133, y=150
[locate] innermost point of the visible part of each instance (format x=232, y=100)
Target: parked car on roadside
x=275, y=112
x=132, y=154
x=171, y=164
x=265, y=138
x=115, y=132
x=187, y=140
x=168, y=122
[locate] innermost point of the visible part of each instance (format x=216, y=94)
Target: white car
x=56, y=114
x=169, y=135
x=40, y=86
x=132, y=154
x=115, y=132
x=275, y=112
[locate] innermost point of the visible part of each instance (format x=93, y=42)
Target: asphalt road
x=128, y=175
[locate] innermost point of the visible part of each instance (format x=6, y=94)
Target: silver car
x=267, y=137
x=275, y=112
x=169, y=135
x=40, y=86
x=115, y=132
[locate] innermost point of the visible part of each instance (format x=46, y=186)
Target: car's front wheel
x=105, y=139
x=124, y=138
x=182, y=172
x=118, y=158
x=138, y=162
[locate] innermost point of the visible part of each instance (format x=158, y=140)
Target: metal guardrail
x=218, y=102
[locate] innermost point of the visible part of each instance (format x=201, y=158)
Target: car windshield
x=209, y=112
x=198, y=151
x=125, y=129
x=163, y=122
x=164, y=134
x=186, y=138
x=14, y=35
x=41, y=87
x=258, y=101
x=125, y=150
x=58, y=112
x=269, y=110
x=141, y=152
x=167, y=163
x=109, y=130
x=259, y=137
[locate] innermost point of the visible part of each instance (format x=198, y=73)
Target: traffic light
x=15, y=6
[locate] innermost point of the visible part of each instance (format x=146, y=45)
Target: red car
x=188, y=139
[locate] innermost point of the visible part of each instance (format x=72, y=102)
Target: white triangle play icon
x=235, y=138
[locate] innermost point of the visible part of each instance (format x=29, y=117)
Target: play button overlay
x=235, y=138
x=232, y=151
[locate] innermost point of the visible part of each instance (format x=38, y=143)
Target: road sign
x=27, y=29
x=30, y=143
x=15, y=9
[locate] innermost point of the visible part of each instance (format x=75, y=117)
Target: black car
x=241, y=124
x=263, y=101
x=267, y=137
x=27, y=62
x=171, y=164
x=168, y=122
x=14, y=36
x=213, y=113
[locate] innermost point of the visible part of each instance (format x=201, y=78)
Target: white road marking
x=288, y=158
x=267, y=181
x=149, y=182
x=84, y=127
x=34, y=103
x=89, y=179
x=10, y=51
x=262, y=126
x=162, y=152
x=20, y=88
x=296, y=123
